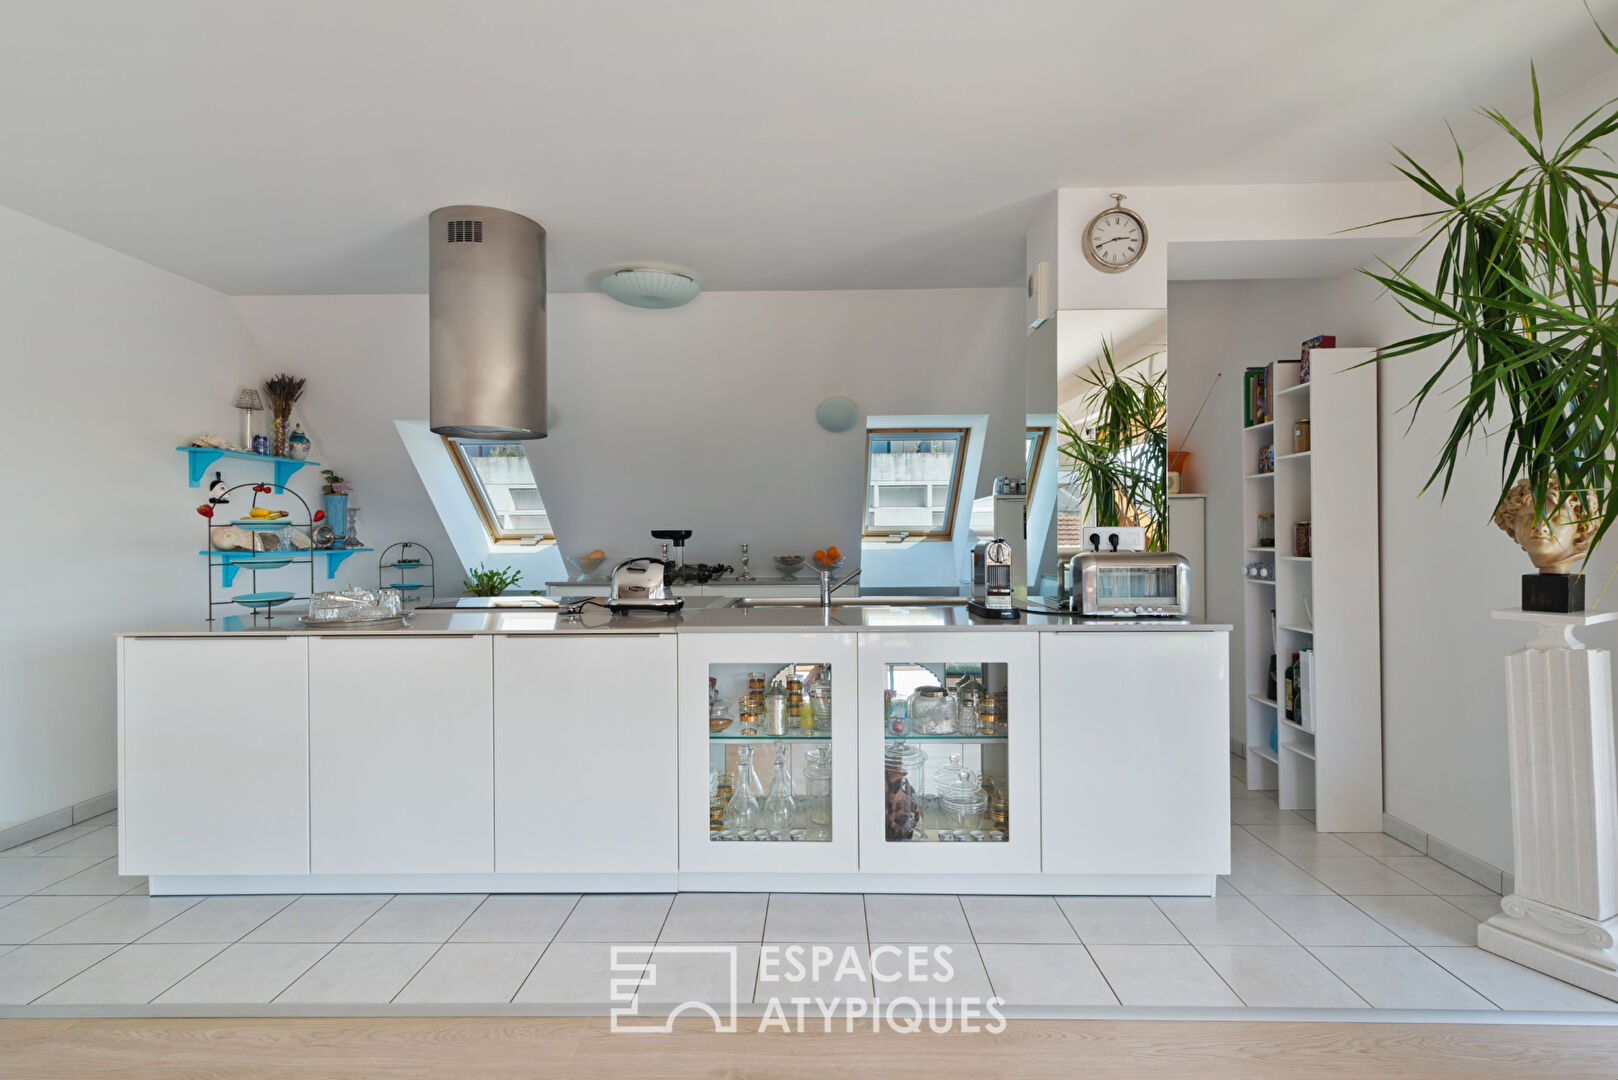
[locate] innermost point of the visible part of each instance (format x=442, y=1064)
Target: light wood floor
x=562, y=1049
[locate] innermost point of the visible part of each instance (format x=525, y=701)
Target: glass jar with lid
x=820, y=704
x=747, y=716
x=991, y=715
x=905, y=785
x=933, y=711
x=969, y=694
x=817, y=794
x=773, y=717
x=961, y=796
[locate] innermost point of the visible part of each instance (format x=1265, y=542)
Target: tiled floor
x=1304, y=920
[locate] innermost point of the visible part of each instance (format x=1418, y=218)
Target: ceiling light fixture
x=645, y=288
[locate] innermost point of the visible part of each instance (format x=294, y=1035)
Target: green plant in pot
x=1118, y=459
x=1514, y=285
x=485, y=582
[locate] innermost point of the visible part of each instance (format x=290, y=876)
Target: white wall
x=109, y=364
x=700, y=417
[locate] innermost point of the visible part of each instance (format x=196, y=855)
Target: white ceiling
x=296, y=146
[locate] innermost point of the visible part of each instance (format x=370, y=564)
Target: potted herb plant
x=483, y=582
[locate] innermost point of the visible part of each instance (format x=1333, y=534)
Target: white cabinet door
x=401, y=755
x=1013, y=656
x=1137, y=757
x=213, y=755
x=727, y=656
x=585, y=750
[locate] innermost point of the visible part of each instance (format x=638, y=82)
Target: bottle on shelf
x=744, y=812
x=780, y=808
x=817, y=794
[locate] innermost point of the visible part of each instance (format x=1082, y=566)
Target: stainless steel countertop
x=701, y=615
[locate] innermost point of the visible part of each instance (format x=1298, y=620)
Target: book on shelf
x=1306, y=690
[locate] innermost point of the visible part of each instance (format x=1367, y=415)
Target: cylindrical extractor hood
x=486, y=296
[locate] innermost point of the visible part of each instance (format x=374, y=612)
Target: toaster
x=1132, y=584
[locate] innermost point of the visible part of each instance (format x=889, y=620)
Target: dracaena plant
x=1517, y=296
x=1118, y=460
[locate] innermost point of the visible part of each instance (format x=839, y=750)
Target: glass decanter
x=780, y=808
x=744, y=812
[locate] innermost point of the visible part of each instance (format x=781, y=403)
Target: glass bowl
x=582, y=566
x=789, y=565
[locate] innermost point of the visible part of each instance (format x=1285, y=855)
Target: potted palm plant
x=1514, y=288
x=1118, y=459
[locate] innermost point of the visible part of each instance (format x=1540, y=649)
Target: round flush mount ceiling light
x=646, y=288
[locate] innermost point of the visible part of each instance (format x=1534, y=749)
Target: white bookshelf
x=1329, y=602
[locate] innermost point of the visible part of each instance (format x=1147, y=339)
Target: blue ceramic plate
x=406, y=562
x=404, y=585
x=263, y=525
x=262, y=562
x=262, y=599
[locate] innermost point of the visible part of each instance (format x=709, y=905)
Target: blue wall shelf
x=233, y=562
x=201, y=458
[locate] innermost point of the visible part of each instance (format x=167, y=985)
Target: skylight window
x=913, y=481
x=501, y=484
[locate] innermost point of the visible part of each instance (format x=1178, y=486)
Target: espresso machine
x=991, y=580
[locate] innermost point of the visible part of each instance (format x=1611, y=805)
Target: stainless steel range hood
x=486, y=296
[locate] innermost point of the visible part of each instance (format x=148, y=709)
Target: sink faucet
x=827, y=588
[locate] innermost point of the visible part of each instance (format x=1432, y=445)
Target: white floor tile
x=1479, y=907
x=1300, y=840
x=1045, y=975
x=1398, y=978
x=418, y=917
x=131, y=976
x=1378, y=844
x=815, y=917
x=622, y=917
x=821, y=970
x=1360, y=875
x=1119, y=920
x=1161, y=975
x=1221, y=920
x=1512, y=986
x=517, y=917
x=1436, y=877
x=1272, y=875
x=1262, y=812
x=1017, y=920
x=102, y=842
x=900, y=917
x=929, y=969
x=358, y=973
x=1243, y=842
x=48, y=842
x=121, y=919
x=1421, y=920
x=316, y=919
x=31, y=970
x=1279, y=977
x=245, y=974
x=697, y=917
x=32, y=916
x=713, y=972
x=100, y=879
x=583, y=972
x=219, y=918
x=19, y=877
x=471, y=973
x=1324, y=920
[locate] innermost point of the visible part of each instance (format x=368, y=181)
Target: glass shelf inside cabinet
x=946, y=733
x=769, y=752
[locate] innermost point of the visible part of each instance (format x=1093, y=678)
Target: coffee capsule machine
x=991, y=580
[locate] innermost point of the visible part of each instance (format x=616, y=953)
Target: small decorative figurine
x=216, y=490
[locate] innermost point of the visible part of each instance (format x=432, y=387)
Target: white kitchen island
x=531, y=751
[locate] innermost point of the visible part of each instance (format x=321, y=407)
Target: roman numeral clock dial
x=1115, y=239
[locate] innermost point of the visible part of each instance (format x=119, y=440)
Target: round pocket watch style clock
x=1115, y=239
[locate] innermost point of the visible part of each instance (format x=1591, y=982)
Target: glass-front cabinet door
x=949, y=752
x=767, y=753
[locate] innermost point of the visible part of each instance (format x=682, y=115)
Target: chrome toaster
x=1131, y=584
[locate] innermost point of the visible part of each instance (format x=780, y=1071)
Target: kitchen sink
x=851, y=601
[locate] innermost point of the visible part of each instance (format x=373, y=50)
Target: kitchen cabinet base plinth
x=970, y=884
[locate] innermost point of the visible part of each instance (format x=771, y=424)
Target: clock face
x=1116, y=239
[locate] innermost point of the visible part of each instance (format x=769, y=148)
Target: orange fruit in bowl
x=832, y=554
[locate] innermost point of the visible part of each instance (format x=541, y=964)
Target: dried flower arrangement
x=283, y=392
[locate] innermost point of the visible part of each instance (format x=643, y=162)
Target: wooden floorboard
x=579, y=1048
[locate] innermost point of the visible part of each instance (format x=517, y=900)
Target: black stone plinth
x=1561, y=593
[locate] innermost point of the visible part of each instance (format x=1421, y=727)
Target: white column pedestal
x=1562, y=918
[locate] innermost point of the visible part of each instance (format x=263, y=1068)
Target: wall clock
x=1115, y=239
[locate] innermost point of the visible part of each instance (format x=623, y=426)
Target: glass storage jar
x=820, y=704
x=747, y=714
x=817, y=794
x=969, y=694
x=904, y=769
x=774, y=715
x=933, y=711
x=960, y=795
x=991, y=715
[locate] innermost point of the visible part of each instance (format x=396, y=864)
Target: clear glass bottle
x=780, y=808
x=744, y=811
x=969, y=693
x=817, y=794
x=820, y=704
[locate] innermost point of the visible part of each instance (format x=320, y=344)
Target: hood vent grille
x=466, y=232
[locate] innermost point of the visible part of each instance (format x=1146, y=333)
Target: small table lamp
x=249, y=402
